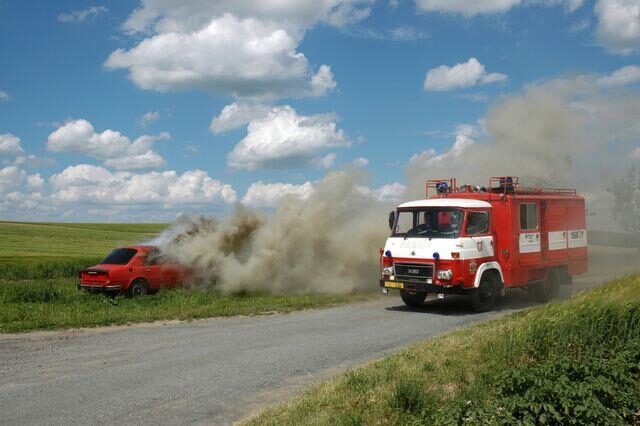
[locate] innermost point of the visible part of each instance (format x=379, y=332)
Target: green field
x=64, y=240
x=59, y=250
x=572, y=362
x=39, y=264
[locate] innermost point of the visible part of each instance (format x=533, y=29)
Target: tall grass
x=56, y=303
x=572, y=362
x=44, y=268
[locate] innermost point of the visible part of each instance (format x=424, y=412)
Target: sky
x=140, y=111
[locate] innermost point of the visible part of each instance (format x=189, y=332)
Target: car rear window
x=120, y=256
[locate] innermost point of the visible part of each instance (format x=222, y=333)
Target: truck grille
x=413, y=271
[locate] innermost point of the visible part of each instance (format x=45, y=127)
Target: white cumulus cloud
x=149, y=118
x=35, y=182
x=390, y=193
x=236, y=115
x=190, y=15
x=463, y=75
x=10, y=145
x=11, y=178
x=284, y=139
x=618, y=24
x=261, y=194
x=115, y=148
x=4, y=96
x=97, y=185
x=81, y=15
x=464, y=138
x=361, y=162
x=477, y=7
x=242, y=57
x=621, y=77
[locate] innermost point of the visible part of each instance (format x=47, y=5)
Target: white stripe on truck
x=558, y=240
x=529, y=242
x=577, y=238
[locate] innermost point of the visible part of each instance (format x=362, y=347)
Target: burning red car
x=132, y=270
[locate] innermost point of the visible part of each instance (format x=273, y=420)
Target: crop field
x=39, y=264
x=571, y=362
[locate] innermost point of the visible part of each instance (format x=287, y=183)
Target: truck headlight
x=445, y=274
x=387, y=270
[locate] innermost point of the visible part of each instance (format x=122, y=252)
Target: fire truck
x=478, y=241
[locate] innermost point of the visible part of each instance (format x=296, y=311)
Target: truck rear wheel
x=483, y=298
x=413, y=300
x=548, y=290
x=137, y=288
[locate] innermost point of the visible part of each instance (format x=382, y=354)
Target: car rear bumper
x=100, y=288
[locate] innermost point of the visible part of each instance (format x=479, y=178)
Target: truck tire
x=548, y=289
x=483, y=298
x=137, y=288
x=413, y=300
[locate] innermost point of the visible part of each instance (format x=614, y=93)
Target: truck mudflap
x=420, y=287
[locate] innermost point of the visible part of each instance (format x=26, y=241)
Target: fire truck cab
x=478, y=241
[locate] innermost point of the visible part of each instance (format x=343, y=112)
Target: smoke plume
x=325, y=244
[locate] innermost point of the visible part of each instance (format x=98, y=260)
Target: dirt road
x=213, y=371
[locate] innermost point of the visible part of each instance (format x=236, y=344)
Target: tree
x=626, y=200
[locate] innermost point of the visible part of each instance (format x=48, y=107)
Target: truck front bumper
x=420, y=287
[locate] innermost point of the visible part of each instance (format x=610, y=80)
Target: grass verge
x=572, y=362
x=28, y=305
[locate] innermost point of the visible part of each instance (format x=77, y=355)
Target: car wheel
x=413, y=300
x=483, y=298
x=137, y=288
x=548, y=290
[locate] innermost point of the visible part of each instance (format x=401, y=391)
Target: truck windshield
x=430, y=222
x=120, y=256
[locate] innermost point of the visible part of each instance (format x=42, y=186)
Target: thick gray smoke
x=325, y=244
x=533, y=136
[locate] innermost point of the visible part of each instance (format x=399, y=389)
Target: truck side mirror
x=392, y=219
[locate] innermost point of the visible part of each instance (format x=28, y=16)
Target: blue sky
x=321, y=84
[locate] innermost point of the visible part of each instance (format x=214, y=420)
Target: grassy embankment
x=38, y=269
x=572, y=362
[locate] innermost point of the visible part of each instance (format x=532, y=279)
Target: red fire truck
x=478, y=241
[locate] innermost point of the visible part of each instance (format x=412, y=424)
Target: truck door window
x=477, y=223
x=404, y=222
x=528, y=216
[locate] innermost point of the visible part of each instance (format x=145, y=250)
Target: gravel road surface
x=213, y=371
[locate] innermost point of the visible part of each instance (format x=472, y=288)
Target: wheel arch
x=134, y=279
x=486, y=267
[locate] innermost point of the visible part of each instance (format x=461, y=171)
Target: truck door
x=529, y=239
x=555, y=228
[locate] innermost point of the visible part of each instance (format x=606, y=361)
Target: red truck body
x=133, y=270
x=534, y=237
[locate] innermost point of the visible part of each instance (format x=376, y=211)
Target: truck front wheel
x=413, y=300
x=483, y=298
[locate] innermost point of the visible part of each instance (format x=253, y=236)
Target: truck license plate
x=393, y=284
